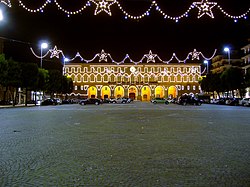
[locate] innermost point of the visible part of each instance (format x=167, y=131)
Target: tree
x=43, y=78
x=233, y=79
x=67, y=85
x=55, y=82
x=3, y=73
x=29, y=77
x=13, y=78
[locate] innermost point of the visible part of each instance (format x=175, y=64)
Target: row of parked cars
x=232, y=101
x=182, y=100
x=106, y=100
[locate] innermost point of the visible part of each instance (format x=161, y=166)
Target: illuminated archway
x=119, y=92
x=145, y=93
x=92, y=92
x=105, y=92
x=132, y=92
x=172, y=92
x=159, y=92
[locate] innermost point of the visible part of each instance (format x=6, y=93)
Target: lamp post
x=64, y=61
x=226, y=49
x=43, y=46
x=206, y=62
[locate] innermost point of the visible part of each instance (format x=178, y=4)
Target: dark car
x=189, y=100
x=49, y=102
x=90, y=101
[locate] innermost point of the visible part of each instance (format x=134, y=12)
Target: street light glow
x=44, y=45
x=226, y=49
x=1, y=15
x=205, y=61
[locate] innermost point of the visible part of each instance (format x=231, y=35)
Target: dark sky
x=89, y=34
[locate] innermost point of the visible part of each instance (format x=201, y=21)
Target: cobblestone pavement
x=137, y=144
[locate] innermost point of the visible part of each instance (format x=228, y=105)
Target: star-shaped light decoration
x=103, y=6
x=55, y=52
x=103, y=56
x=205, y=7
x=6, y=2
x=195, y=55
x=150, y=57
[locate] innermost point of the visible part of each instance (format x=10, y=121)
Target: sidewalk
x=17, y=106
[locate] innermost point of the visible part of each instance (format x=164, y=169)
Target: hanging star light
x=6, y=2
x=150, y=57
x=195, y=55
x=205, y=7
x=55, y=52
x=103, y=6
x=103, y=56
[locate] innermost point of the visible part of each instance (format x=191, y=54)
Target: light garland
x=6, y=2
x=204, y=6
x=103, y=56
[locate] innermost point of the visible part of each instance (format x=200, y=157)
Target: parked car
x=189, y=100
x=94, y=101
x=244, y=101
x=159, y=100
x=214, y=101
x=247, y=103
x=120, y=100
x=233, y=101
x=49, y=102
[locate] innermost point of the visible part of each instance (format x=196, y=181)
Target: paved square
x=137, y=144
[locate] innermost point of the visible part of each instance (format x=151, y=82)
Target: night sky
x=89, y=34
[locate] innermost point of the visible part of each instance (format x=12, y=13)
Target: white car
x=120, y=100
x=244, y=101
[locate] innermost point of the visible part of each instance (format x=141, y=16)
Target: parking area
x=135, y=144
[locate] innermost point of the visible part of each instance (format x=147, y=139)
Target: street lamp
x=226, y=49
x=64, y=61
x=43, y=46
x=206, y=62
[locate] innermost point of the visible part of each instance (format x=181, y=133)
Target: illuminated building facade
x=142, y=81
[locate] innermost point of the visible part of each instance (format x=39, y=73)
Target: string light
x=103, y=56
x=6, y=2
x=204, y=6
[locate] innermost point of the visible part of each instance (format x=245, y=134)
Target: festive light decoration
x=103, y=56
x=6, y=2
x=103, y=6
x=205, y=8
x=55, y=52
x=150, y=57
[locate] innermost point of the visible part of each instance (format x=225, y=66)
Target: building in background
x=142, y=81
x=246, y=60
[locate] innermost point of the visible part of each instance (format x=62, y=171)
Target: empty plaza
x=136, y=144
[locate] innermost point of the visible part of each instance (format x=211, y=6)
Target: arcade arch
x=105, y=92
x=172, y=92
x=92, y=92
x=159, y=92
x=119, y=92
x=145, y=93
x=132, y=92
